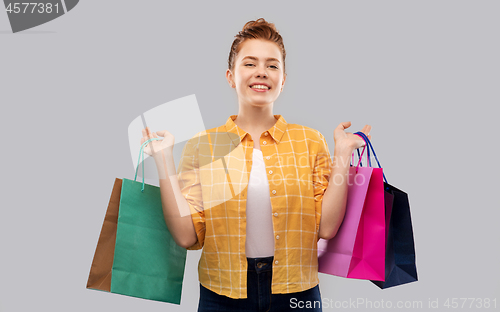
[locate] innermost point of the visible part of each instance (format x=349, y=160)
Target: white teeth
x=259, y=87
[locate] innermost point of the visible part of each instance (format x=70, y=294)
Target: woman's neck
x=255, y=120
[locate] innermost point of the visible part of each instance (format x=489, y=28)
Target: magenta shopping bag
x=400, y=257
x=358, y=249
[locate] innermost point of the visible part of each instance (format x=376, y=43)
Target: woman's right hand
x=154, y=147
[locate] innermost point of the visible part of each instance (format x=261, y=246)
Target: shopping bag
x=358, y=248
x=100, y=271
x=136, y=255
x=400, y=266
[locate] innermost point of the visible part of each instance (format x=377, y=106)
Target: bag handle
x=360, y=163
x=369, y=161
x=370, y=146
x=360, y=156
x=141, y=153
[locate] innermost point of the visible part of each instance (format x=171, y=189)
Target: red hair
x=259, y=29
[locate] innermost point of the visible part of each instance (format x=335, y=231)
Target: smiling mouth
x=260, y=88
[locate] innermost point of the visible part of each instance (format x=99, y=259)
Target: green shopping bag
x=146, y=261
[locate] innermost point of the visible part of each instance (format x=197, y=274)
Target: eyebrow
x=254, y=58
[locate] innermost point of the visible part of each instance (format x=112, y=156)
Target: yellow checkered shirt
x=213, y=176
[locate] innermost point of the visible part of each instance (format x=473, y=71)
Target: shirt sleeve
x=188, y=176
x=321, y=175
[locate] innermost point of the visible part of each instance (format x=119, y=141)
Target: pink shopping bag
x=358, y=249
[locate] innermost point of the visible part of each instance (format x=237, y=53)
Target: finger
x=147, y=135
x=161, y=133
x=344, y=125
x=146, y=147
x=360, y=139
x=366, y=129
x=369, y=137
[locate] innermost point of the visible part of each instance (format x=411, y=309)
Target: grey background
x=424, y=74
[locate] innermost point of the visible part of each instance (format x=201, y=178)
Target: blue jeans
x=259, y=297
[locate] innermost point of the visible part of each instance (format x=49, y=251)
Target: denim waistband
x=260, y=264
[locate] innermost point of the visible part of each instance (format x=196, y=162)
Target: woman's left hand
x=346, y=141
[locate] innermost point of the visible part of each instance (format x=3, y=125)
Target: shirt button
x=275, y=214
x=277, y=237
x=264, y=142
x=270, y=172
x=274, y=192
x=265, y=133
x=276, y=262
x=268, y=157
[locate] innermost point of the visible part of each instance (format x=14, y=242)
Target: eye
x=249, y=64
x=274, y=66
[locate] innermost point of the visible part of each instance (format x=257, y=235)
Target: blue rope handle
x=352, y=159
x=359, y=156
x=371, y=147
x=141, y=153
x=368, y=155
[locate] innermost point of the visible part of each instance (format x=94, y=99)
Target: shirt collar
x=276, y=132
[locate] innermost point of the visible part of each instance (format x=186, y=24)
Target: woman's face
x=258, y=63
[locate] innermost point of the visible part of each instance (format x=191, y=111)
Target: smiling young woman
x=257, y=73
x=259, y=219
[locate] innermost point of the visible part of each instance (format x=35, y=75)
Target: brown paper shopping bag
x=100, y=272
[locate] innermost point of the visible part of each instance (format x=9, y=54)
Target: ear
x=284, y=79
x=230, y=78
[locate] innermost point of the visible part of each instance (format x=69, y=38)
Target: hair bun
x=259, y=22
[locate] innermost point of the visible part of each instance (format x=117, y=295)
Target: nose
x=261, y=71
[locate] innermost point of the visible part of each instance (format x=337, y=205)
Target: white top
x=259, y=230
